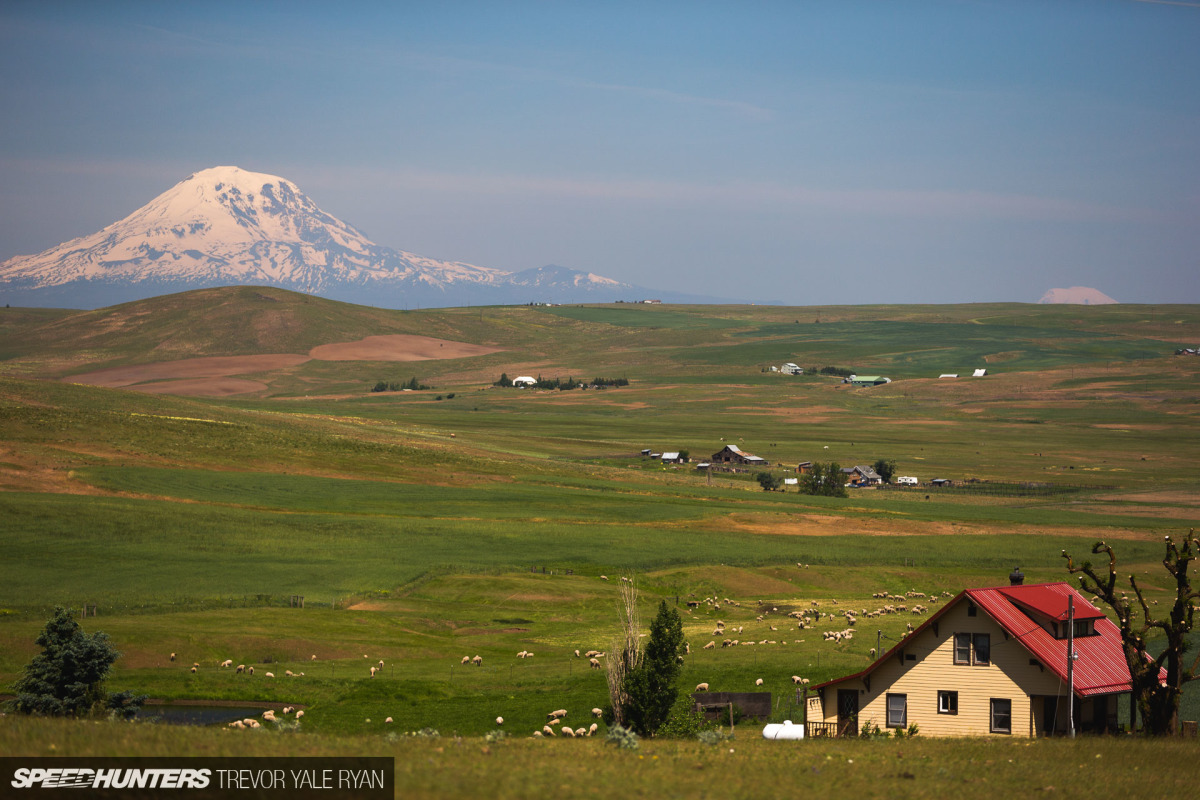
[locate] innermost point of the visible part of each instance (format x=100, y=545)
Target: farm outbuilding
x=674, y=458
x=731, y=454
x=867, y=380
x=524, y=381
x=992, y=661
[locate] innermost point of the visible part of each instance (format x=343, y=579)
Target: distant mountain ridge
x=228, y=226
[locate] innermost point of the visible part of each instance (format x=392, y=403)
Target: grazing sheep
x=172, y=656
x=270, y=674
x=240, y=669
x=594, y=663
x=388, y=720
x=372, y=672
x=249, y=722
x=537, y=734
x=592, y=729
x=288, y=673
x=196, y=664
x=299, y=714
x=467, y=659
x=758, y=682
x=597, y=712
x=193, y=670
x=237, y=723
x=581, y=731
x=603, y=577
x=269, y=714
x=499, y=720
x=568, y=732
x=477, y=661
x=554, y=722
x=287, y=710
x=381, y=663
x=710, y=645
x=562, y=712
x=227, y=663
x=577, y=654
x=701, y=687
x=796, y=679
x=253, y=724
x=314, y=657
x=250, y=670
x=546, y=729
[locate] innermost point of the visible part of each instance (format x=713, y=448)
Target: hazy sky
x=837, y=151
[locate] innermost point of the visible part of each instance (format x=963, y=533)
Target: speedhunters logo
x=198, y=778
x=83, y=778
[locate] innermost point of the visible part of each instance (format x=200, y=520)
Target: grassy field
x=421, y=528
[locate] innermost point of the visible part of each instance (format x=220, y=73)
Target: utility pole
x=1071, y=666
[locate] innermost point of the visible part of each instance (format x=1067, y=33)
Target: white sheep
x=373, y=670
x=603, y=577
x=477, y=661
x=596, y=712
x=193, y=670
x=537, y=734
x=299, y=714
x=240, y=669
x=499, y=720
x=710, y=645
x=594, y=662
x=250, y=670
x=270, y=674
x=227, y=663
x=758, y=682
x=172, y=656
x=388, y=720
x=568, y=732
x=314, y=657
x=546, y=729
x=288, y=673
x=592, y=729
x=381, y=663
x=796, y=679
x=467, y=659
x=558, y=714
x=577, y=654
x=701, y=687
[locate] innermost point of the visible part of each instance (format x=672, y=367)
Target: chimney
x=1016, y=577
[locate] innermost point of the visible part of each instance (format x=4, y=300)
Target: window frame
x=950, y=706
x=992, y=708
x=966, y=644
x=975, y=659
x=957, y=646
x=903, y=698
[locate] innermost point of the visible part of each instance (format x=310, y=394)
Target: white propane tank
x=785, y=731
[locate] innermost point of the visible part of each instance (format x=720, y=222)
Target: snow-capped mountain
x=228, y=226
x=1077, y=295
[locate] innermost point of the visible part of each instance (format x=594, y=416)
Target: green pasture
x=421, y=530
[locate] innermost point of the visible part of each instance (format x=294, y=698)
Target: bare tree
x=1157, y=700
x=625, y=655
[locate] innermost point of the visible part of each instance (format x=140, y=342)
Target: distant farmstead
x=731, y=454
x=867, y=380
x=791, y=369
x=524, y=381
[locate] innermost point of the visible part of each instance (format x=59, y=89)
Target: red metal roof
x=1047, y=599
x=1100, y=667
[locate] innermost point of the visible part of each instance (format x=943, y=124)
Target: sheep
x=240, y=669
x=172, y=656
x=467, y=659
x=710, y=645
x=269, y=715
x=568, y=732
x=373, y=670
x=537, y=734
x=249, y=722
x=701, y=687
x=314, y=657
x=477, y=661
x=299, y=714
x=287, y=710
x=499, y=720
x=253, y=724
x=388, y=721
x=227, y=663
x=288, y=673
x=592, y=729
x=603, y=577
x=796, y=679
x=594, y=662
x=196, y=664
x=237, y=723
x=193, y=670
x=758, y=682
x=381, y=663
x=270, y=674
x=546, y=729
x=577, y=653
x=562, y=712
x=250, y=670
x=597, y=712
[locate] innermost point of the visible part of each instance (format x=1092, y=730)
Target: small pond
x=196, y=714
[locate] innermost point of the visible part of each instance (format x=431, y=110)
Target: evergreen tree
x=67, y=677
x=650, y=687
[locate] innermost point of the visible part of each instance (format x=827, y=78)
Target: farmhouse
x=862, y=476
x=992, y=661
x=730, y=454
x=791, y=369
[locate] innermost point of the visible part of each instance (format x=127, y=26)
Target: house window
x=973, y=648
x=947, y=702
x=971, y=610
x=1001, y=716
x=897, y=710
x=983, y=648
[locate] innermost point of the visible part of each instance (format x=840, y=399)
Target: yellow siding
x=1009, y=676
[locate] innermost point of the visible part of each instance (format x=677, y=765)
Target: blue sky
x=797, y=152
